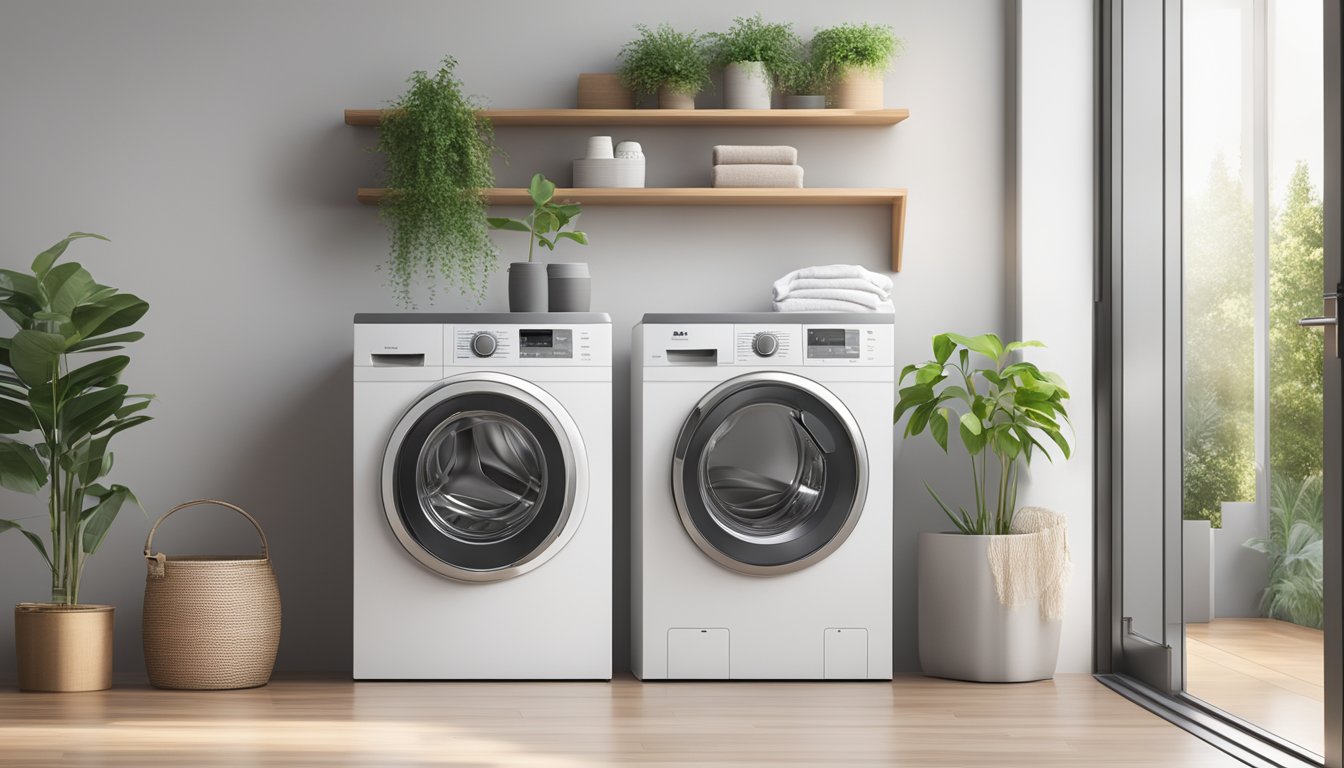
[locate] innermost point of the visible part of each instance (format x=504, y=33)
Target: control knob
x=483, y=344
x=765, y=344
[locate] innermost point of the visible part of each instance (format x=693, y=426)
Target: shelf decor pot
x=671, y=99
x=528, y=287
x=801, y=101
x=63, y=648
x=604, y=91
x=859, y=89
x=965, y=631
x=746, y=85
x=570, y=288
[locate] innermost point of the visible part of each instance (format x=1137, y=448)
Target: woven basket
x=210, y=623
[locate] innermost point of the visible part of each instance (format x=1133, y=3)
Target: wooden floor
x=1270, y=673
x=1071, y=721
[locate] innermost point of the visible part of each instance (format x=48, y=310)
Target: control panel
x=491, y=346
x=769, y=345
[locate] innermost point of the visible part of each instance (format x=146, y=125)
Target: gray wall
x=206, y=140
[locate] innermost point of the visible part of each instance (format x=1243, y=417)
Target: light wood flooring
x=1071, y=721
x=1269, y=673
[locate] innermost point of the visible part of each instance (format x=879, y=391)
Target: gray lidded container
x=570, y=287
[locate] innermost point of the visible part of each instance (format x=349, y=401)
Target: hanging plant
x=438, y=150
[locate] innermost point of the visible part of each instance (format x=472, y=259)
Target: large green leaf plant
x=545, y=224
x=57, y=415
x=1005, y=408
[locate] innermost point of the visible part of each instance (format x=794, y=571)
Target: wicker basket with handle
x=210, y=623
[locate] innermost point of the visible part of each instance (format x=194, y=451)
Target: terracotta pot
x=668, y=99
x=859, y=89
x=62, y=647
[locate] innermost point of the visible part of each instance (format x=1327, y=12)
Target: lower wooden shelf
x=708, y=196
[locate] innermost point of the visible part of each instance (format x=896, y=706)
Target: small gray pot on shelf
x=570, y=287
x=799, y=101
x=527, y=287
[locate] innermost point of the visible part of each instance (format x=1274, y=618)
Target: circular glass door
x=484, y=478
x=769, y=473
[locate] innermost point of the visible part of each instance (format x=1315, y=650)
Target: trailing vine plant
x=438, y=150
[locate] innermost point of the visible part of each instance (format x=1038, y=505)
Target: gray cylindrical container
x=527, y=286
x=571, y=288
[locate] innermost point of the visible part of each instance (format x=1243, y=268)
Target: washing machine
x=762, y=496
x=482, y=496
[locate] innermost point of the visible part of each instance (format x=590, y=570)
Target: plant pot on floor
x=859, y=89
x=802, y=101
x=670, y=99
x=528, y=287
x=965, y=632
x=746, y=85
x=63, y=648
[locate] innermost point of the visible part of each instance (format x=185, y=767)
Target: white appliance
x=482, y=496
x=762, y=498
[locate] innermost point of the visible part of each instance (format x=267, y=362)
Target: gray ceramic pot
x=570, y=287
x=793, y=101
x=527, y=286
x=746, y=86
x=965, y=633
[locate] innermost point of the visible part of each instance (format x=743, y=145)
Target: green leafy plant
x=67, y=413
x=866, y=47
x=1294, y=547
x=751, y=38
x=803, y=73
x=545, y=223
x=438, y=150
x=662, y=57
x=1004, y=407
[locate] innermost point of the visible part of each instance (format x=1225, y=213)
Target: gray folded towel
x=757, y=176
x=732, y=154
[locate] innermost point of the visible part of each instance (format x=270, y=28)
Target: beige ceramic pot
x=858, y=89
x=668, y=99
x=63, y=647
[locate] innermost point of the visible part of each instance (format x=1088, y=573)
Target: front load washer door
x=485, y=478
x=769, y=473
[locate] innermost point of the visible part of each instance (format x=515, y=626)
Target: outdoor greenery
x=1004, y=408
x=64, y=415
x=662, y=57
x=438, y=151
x=547, y=217
x=751, y=38
x=867, y=47
x=1295, y=592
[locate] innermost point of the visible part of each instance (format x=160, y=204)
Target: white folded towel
x=862, y=298
x=857, y=284
x=829, y=305
x=832, y=273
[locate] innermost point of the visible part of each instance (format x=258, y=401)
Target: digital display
x=536, y=339
x=826, y=337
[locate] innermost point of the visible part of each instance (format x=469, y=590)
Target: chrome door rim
x=571, y=448
x=712, y=398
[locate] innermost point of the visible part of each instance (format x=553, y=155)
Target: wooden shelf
x=895, y=198
x=503, y=118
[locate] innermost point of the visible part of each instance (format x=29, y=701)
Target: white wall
x=206, y=140
x=1055, y=197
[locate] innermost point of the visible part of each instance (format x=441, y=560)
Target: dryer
x=762, y=496
x=482, y=496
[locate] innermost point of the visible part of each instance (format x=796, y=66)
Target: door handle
x=1325, y=321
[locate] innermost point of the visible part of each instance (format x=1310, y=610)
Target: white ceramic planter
x=965, y=633
x=746, y=86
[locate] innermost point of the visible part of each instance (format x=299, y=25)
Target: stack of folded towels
x=748, y=166
x=833, y=288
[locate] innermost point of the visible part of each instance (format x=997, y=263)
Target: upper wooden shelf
x=895, y=198
x=503, y=118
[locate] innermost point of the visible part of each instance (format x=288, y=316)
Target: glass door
x=1219, y=426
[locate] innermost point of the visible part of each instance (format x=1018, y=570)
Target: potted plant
x=667, y=62
x=752, y=53
x=567, y=290
x=856, y=56
x=438, y=150
x=804, y=80
x=991, y=593
x=58, y=419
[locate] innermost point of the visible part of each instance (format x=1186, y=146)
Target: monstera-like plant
x=61, y=403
